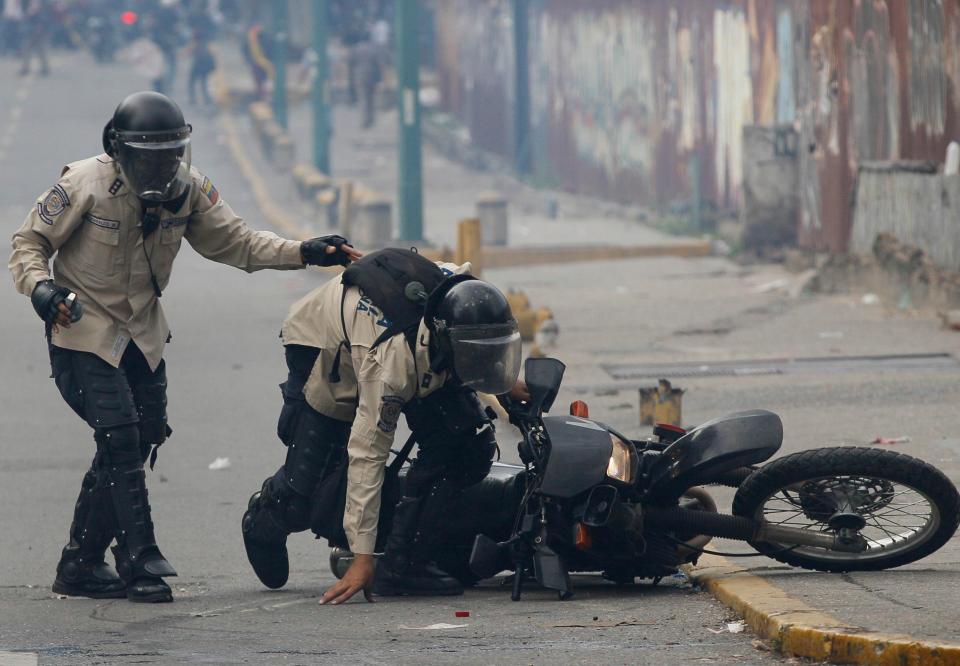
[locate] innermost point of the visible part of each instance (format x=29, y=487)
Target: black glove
x=314, y=251
x=47, y=297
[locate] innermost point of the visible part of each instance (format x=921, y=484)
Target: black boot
x=402, y=569
x=82, y=571
x=139, y=561
x=265, y=539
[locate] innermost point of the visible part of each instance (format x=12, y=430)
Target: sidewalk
x=450, y=189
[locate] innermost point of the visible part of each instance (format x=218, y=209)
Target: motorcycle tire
x=864, y=471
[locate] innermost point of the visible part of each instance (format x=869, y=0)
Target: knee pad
x=120, y=445
x=151, y=400
x=315, y=443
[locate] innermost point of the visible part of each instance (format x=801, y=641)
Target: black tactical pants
x=126, y=407
x=309, y=485
x=455, y=449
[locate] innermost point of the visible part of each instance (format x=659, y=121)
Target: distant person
x=36, y=26
x=11, y=27
x=365, y=65
x=162, y=25
x=256, y=51
x=202, y=62
x=113, y=225
x=380, y=33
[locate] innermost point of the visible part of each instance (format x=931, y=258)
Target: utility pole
x=410, y=166
x=280, y=37
x=521, y=96
x=321, y=93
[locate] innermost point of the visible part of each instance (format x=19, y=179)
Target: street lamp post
x=410, y=166
x=280, y=37
x=321, y=93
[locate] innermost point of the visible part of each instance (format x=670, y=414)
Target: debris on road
x=774, y=285
x=763, y=646
x=438, y=625
x=462, y=614
x=830, y=335
x=219, y=464
x=870, y=299
x=950, y=319
x=891, y=440
x=737, y=627
x=601, y=624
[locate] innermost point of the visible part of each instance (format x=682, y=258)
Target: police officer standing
x=397, y=335
x=115, y=223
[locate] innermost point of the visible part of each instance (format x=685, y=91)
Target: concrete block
x=371, y=223
x=283, y=152
x=268, y=135
x=492, y=213
x=326, y=204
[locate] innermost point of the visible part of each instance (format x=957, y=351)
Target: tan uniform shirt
x=373, y=387
x=90, y=220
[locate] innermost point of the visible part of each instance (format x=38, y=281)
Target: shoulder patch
x=53, y=204
x=390, y=408
x=209, y=190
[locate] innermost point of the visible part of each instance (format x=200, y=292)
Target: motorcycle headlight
x=623, y=461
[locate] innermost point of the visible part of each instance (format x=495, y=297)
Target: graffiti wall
x=629, y=96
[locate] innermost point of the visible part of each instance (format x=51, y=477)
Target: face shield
x=486, y=358
x=155, y=165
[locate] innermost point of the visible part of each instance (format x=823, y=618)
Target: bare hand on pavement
x=358, y=577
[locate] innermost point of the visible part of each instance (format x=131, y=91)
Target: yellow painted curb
x=274, y=213
x=803, y=631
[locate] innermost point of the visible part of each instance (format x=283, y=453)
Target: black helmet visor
x=487, y=358
x=155, y=165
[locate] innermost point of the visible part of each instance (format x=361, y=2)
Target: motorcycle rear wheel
x=908, y=507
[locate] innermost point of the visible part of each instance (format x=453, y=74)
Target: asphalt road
x=224, y=365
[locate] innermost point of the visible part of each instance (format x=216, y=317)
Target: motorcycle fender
x=736, y=440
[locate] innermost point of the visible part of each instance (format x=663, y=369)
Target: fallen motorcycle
x=588, y=499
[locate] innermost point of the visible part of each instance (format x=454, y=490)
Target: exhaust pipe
x=744, y=529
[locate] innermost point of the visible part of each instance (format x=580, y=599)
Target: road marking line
x=19, y=658
x=800, y=630
x=271, y=210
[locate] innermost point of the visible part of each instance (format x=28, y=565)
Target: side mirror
x=543, y=377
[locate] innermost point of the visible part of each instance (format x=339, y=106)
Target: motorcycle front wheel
x=903, y=508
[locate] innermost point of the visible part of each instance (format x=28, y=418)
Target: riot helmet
x=151, y=144
x=474, y=334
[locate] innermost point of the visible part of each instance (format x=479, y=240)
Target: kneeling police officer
x=397, y=335
x=115, y=223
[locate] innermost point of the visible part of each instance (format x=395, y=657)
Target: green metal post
x=410, y=166
x=695, y=187
x=280, y=37
x=321, y=94
x=521, y=109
